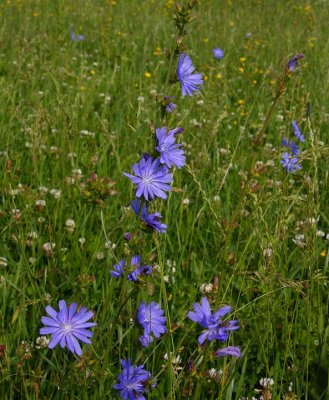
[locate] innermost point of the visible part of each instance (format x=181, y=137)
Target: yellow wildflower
x=147, y=75
x=157, y=51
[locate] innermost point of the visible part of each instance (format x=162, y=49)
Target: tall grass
x=237, y=229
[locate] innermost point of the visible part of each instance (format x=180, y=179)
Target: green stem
x=281, y=86
x=114, y=324
x=196, y=394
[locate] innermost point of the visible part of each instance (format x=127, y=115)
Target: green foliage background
x=51, y=89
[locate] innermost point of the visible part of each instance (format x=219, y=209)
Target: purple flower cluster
x=153, y=178
x=76, y=38
x=136, y=269
x=67, y=326
x=132, y=381
x=152, y=320
x=214, y=327
x=290, y=160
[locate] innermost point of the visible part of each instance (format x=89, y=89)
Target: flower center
x=67, y=328
x=147, y=180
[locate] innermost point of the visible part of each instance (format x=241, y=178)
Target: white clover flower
x=41, y=342
x=86, y=133
x=43, y=189
x=268, y=252
x=82, y=241
x=40, y=204
x=70, y=225
x=206, y=288
x=215, y=374
x=186, y=202
x=56, y=193
x=48, y=248
x=299, y=240
x=100, y=256
x=77, y=173
x=223, y=151
x=53, y=149
x=3, y=262
x=266, y=382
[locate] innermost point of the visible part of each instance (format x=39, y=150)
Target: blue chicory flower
x=293, y=62
x=189, y=81
x=132, y=381
x=67, y=325
x=151, y=318
x=170, y=152
x=292, y=146
x=290, y=163
x=170, y=107
x=214, y=327
x=76, y=38
x=228, y=351
x=218, y=53
x=137, y=269
x=297, y=132
x=151, y=220
x=118, y=269
x=152, y=178
x=145, y=340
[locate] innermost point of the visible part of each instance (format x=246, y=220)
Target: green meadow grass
x=237, y=230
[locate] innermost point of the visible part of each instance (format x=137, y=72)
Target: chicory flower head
x=189, y=81
x=67, y=326
x=152, y=178
x=290, y=163
x=218, y=53
x=132, y=381
x=117, y=272
x=76, y=38
x=151, y=220
x=214, y=327
x=292, y=146
x=170, y=107
x=151, y=318
x=297, y=132
x=293, y=62
x=170, y=152
x=137, y=269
